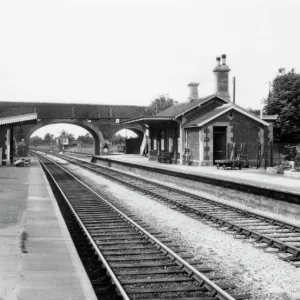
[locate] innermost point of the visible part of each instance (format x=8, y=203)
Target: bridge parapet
x=72, y=111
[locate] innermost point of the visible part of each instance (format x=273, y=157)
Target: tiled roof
x=18, y=119
x=218, y=111
x=179, y=109
x=208, y=115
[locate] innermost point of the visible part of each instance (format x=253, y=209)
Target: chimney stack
x=193, y=90
x=221, y=78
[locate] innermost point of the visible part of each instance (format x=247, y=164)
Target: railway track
x=127, y=260
x=264, y=232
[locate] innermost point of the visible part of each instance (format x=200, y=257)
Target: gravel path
x=262, y=274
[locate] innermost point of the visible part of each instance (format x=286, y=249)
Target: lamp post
x=125, y=141
x=63, y=142
x=51, y=142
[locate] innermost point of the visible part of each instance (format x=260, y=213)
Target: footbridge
x=101, y=121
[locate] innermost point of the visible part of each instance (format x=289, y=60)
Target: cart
x=238, y=158
x=230, y=163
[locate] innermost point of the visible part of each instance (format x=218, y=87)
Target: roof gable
x=220, y=110
x=177, y=110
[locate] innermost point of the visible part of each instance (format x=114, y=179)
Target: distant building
x=75, y=144
x=62, y=140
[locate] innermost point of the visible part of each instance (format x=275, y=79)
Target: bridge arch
x=91, y=128
x=137, y=129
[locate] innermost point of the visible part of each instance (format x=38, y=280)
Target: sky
x=129, y=52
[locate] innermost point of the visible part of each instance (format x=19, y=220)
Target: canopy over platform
x=150, y=120
x=27, y=118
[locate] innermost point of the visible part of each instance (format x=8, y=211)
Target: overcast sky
x=128, y=52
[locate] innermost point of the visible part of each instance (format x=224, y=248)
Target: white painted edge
x=81, y=274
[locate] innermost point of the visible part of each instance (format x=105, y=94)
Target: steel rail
x=272, y=242
x=198, y=276
x=272, y=221
x=96, y=249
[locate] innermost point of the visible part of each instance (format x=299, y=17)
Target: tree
x=118, y=139
x=284, y=100
x=47, y=138
x=35, y=140
x=86, y=139
x=159, y=104
x=253, y=111
x=71, y=137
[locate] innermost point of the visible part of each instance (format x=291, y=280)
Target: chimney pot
x=218, y=60
x=223, y=59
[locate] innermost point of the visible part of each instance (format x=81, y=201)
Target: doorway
x=219, y=143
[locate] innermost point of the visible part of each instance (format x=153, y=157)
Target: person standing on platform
x=105, y=148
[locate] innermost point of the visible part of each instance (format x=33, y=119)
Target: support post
x=8, y=146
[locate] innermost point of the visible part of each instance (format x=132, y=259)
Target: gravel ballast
x=262, y=274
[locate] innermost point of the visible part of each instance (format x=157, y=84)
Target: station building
x=206, y=127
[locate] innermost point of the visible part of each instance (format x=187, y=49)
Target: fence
x=269, y=155
x=274, y=154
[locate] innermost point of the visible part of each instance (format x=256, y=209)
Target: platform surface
x=255, y=177
x=38, y=259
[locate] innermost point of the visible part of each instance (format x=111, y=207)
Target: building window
x=170, y=144
x=162, y=140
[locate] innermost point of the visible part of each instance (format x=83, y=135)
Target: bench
x=165, y=157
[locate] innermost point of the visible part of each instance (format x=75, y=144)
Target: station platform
x=246, y=177
x=38, y=259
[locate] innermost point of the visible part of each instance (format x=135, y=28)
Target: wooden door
x=219, y=143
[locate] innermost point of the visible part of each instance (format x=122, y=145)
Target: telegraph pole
x=269, y=82
x=233, y=98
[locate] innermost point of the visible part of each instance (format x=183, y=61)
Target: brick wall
x=59, y=110
x=193, y=144
x=244, y=130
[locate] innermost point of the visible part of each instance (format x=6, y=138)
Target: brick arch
x=137, y=129
x=91, y=128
